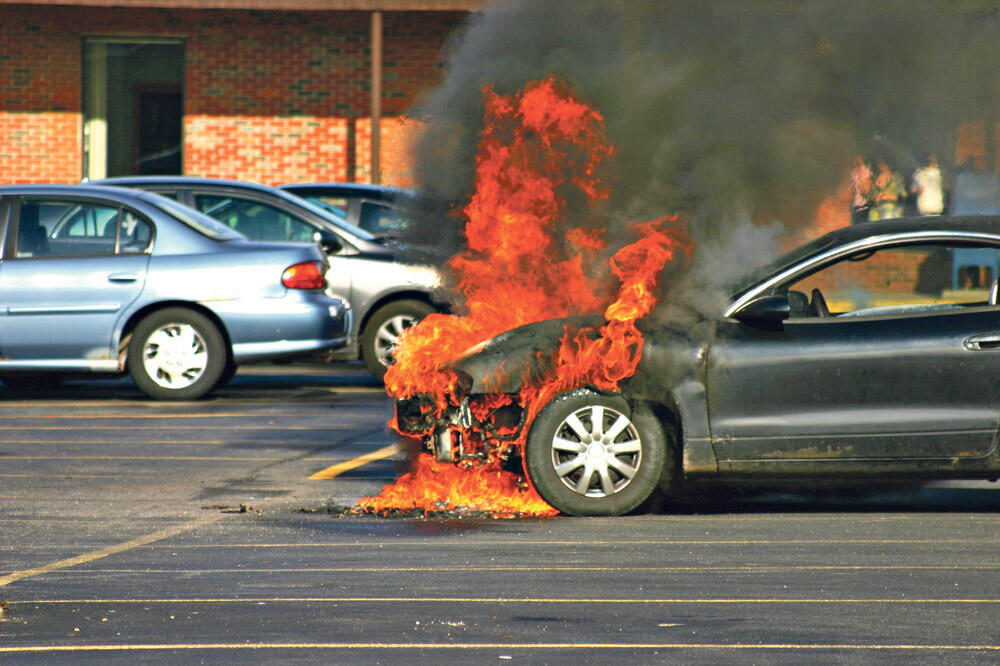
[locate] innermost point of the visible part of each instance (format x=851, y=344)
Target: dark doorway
x=159, y=143
x=134, y=107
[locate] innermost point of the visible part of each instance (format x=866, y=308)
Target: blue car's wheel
x=176, y=354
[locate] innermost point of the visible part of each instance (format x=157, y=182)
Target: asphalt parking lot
x=133, y=531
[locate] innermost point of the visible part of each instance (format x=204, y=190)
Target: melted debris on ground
x=348, y=511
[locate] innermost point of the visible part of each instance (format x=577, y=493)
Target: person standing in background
x=927, y=185
x=977, y=191
x=861, y=185
x=888, y=190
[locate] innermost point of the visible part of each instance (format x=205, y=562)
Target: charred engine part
x=416, y=415
x=477, y=430
x=450, y=428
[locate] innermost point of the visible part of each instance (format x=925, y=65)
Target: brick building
x=264, y=90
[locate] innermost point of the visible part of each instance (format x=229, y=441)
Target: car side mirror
x=770, y=310
x=328, y=241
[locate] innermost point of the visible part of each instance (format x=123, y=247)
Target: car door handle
x=983, y=342
x=123, y=277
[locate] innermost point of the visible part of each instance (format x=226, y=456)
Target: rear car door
x=71, y=267
x=905, y=366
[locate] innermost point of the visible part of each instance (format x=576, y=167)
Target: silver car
x=103, y=280
x=388, y=291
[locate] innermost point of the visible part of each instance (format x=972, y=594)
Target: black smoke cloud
x=744, y=115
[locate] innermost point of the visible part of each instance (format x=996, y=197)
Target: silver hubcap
x=596, y=451
x=387, y=337
x=175, y=356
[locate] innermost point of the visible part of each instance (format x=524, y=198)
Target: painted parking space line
x=105, y=552
x=119, y=416
x=529, y=569
x=903, y=647
x=532, y=601
x=197, y=458
x=197, y=426
x=451, y=544
x=338, y=469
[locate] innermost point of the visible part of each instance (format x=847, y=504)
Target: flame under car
x=872, y=352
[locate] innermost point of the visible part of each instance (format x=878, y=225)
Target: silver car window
x=200, y=222
x=254, y=219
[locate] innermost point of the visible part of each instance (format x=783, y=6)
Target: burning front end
x=484, y=413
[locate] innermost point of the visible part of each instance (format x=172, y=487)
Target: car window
x=900, y=280
x=134, y=234
x=254, y=219
x=790, y=258
x=62, y=228
x=381, y=218
x=331, y=204
x=200, y=222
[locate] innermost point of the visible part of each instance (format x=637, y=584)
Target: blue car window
x=135, y=234
x=65, y=228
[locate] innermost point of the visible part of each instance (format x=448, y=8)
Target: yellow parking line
x=422, y=570
x=230, y=459
x=119, y=416
x=905, y=647
x=104, y=552
x=809, y=601
x=336, y=470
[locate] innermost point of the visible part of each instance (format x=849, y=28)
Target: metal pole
x=376, y=101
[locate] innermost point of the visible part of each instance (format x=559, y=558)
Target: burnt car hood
x=522, y=355
x=525, y=354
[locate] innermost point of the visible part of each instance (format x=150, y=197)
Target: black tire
x=227, y=375
x=634, y=468
x=189, y=367
x=383, y=327
x=31, y=381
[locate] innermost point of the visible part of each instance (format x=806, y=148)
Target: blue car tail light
x=306, y=275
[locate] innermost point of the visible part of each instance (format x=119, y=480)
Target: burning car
x=873, y=351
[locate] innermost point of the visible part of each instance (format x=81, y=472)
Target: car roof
x=347, y=188
x=72, y=190
x=191, y=181
x=242, y=185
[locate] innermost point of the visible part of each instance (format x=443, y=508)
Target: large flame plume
x=520, y=268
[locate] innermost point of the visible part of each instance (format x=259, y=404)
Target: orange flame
x=516, y=272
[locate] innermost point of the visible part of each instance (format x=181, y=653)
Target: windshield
x=784, y=261
x=334, y=219
x=200, y=222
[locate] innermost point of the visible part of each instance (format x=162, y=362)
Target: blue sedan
x=100, y=279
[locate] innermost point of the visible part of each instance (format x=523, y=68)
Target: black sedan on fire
x=871, y=352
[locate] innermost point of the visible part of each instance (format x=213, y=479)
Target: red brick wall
x=39, y=101
x=269, y=96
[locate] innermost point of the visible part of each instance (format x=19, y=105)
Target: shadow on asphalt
x=250, y=381
x=924, y=496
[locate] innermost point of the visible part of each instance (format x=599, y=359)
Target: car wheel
x=381, y=334
x=590, y=454
x=176, y=354
x=227, y=375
